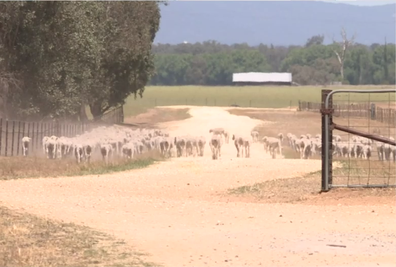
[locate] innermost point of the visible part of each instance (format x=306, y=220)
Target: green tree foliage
x=209, y=68
x=66, y=55
x=212, y=63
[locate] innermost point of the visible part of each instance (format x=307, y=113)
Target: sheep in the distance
x=255, y=136
x=221, y=132
x=180, y=144
x=201, y=145
x=239, y=143
x=25, y=145
x=215, y=144
x=273, y=145
x=51, y=147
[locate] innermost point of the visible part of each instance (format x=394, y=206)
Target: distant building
x=262, y=78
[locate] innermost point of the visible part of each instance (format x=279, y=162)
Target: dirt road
x=175, y=212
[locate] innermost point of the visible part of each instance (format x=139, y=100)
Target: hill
x=273, y=22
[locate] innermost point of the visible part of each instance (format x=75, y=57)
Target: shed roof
x=262, y=77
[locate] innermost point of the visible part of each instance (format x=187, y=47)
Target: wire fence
x=361, y=129
x=382, y=111
x=115, y=115
x=12, y=131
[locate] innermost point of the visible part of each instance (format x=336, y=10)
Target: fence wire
x=12, y=132
x=357, y=160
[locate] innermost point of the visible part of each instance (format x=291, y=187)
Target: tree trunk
x=83, y=113
x=96, y=110
x=342, y=72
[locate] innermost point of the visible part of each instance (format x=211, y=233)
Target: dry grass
x=307, y=188
x=30, y=167
x=27, y=240
x=158, y=115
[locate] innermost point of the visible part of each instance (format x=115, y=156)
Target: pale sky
x=363, y=2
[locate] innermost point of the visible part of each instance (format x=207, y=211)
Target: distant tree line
x=56, y=57
x=212, y=63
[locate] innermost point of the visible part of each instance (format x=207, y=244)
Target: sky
x=363, y=2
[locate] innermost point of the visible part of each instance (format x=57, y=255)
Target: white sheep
x=106, y=150
x=51, y=147
x=221, y=132
x=255, y=136
x=272, y=144
x=128, y=150
x=180, y=144
x=239, y=143
x=166, y=146
x=201, y=145
x=78, y=152
x=215, y=144
x=25, y=145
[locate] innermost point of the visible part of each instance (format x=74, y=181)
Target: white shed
x=262, y=78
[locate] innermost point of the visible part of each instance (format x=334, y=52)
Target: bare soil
x=152, y=116
x=182, y=213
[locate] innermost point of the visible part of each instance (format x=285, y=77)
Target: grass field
x=244, y=96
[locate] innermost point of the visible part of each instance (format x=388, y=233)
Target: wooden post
x=19, y=137
x=6, y=138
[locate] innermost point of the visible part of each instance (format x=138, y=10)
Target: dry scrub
x=27, y=240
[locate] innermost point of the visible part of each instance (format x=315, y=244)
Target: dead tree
x=342, y=50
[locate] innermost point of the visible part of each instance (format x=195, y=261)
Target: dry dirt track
x=173, y=210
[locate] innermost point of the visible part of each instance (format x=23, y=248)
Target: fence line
x=12, y=131
x=360, y=110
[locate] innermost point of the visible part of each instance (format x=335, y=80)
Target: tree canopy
x=58, y=57
x=212, y=63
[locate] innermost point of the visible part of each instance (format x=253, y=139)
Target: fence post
x=28, y=129
x=6, y=138
x=19, y=137
x=1, y=133
x=58, y=129
x=327, y=159
x=33, y=135
x=13, y=138
x=38, y=136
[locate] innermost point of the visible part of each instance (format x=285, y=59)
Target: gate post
x=327, y=155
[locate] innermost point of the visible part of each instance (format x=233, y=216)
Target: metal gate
x=363, y=154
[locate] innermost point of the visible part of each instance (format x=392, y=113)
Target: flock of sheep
x=109, y=142
x=356, y=147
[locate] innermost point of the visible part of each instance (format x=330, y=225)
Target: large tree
x=127, y=61
x=70, y=54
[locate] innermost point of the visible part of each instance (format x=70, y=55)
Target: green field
x=244, y=96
